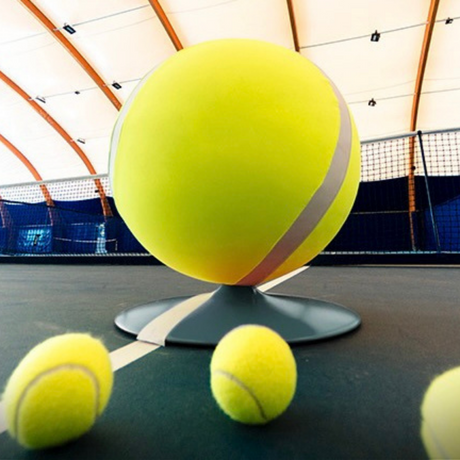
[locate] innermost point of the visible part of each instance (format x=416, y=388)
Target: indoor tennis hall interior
x=173, y=169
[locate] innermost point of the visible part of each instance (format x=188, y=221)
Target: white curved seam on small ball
x=245, y=388
x=48, y=372
x=436, y=441
x=316, y=208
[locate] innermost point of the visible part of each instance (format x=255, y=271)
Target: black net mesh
x=408, y=200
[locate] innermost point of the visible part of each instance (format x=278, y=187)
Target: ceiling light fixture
x=372, y=103
x=116, y=85
x=69, y=29
x=375, y=37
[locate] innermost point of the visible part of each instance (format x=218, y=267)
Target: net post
x=428, y=193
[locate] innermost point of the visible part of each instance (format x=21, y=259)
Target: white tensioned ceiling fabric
x=46, y=92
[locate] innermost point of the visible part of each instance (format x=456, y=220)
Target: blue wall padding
x=34, y=239
x=446, y=218
x=71, y=227
x=373, y=232
x=380, y=220
x=3, y=238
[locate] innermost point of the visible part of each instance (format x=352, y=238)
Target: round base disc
x=296, y=319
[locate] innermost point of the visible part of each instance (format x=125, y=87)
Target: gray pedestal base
x=296, y=319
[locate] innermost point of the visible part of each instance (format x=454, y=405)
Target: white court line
x=159, y=328
x=123, y=356
x=271, y=284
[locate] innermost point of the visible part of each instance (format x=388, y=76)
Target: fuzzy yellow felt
x=441, y=416
x=222, y=148
x=253, y=374
x=58, y=390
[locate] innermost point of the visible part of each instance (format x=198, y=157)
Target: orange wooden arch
x=415, y=109
x=25, y=161
x=62, y=39
x=295, y=35
x=166, y=24
x=63, y=133
x=422, y=62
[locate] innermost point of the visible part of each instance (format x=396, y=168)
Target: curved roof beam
x=422, y=62
x=166, y=24
x=63, y=133
x=44, y=114
x=25, y=161
x=414, y=115
x=62, y=39
x=295, y=35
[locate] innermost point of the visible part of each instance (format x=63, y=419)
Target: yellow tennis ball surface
x=58, y=390
x=253, y=374
x=235, y=161
x=441, y=416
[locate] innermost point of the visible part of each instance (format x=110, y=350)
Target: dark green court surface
x=358, y=396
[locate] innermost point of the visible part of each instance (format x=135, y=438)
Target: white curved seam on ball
x=316, y=208
x=245, y=388
x=436, y=441
x=35, y=380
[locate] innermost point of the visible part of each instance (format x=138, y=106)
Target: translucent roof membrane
x=371, y=50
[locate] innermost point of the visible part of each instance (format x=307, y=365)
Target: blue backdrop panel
x=34, y=239
x=446, y=217
x=70, y=227
x=4, y=232
x=380, y=221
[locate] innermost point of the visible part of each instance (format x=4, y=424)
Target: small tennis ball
x=235, y=161
x=441, y=416
x=253, y=374
x=58, y=390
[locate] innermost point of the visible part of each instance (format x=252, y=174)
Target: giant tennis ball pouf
x=441, y=416
x=58, y=390
x=253, y=374
x=235, y=161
